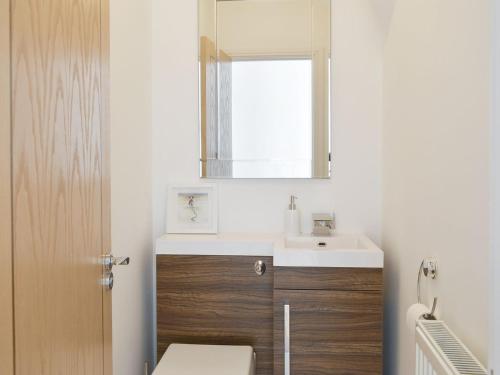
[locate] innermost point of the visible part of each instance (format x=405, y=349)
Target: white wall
x=131, y=183
x=495, y=207
x=253, y=205
x=436, y=167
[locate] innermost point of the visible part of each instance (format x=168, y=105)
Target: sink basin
x=347, y=251
x=326, y=243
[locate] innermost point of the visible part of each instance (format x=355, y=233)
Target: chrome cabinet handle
x=259, y=267
x=109, y=261
x=286, y=339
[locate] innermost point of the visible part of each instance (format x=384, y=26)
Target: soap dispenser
x=292, y=218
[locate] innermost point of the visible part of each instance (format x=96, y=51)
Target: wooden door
x=6, y=316
x=331, y=332
x=60, y=203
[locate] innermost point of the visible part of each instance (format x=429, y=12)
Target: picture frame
x=192, y=209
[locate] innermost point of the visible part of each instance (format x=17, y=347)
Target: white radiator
x=440, y=352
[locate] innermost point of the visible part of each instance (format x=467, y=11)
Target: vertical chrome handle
x=286, y=339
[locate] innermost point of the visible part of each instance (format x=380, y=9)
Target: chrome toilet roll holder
x=428, y=268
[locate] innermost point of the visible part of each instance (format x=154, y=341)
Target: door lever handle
x=109, y=261
x=121, y=261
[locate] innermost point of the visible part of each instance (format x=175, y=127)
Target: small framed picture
x=192, y=209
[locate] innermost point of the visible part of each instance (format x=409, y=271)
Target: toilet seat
x=187, y=359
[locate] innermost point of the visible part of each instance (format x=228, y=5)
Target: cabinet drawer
x=305, y=278
x=330, y=332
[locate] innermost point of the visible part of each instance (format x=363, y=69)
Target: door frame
x=6, y=292
x=495, y=193
x=106, y=181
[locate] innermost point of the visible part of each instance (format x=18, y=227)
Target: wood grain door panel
x=217, y=300
x=331, y=332
x=107, y=295
x=57, y=168
x=6, y=308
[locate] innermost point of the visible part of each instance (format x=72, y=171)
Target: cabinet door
x=329, y=332
x=216, y=300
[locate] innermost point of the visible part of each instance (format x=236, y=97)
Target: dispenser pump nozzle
x=292, y=206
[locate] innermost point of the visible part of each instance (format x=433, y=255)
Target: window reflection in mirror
x=264, y=88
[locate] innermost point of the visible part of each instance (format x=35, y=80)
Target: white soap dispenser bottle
x=292, y=218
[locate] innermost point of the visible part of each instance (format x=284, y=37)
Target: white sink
x=349, y=251
x=342, y=242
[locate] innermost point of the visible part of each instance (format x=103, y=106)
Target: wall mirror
x=264, y=88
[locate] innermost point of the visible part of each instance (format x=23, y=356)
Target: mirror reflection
x=264, y=88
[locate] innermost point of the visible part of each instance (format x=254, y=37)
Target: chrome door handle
x=121, y=261
x=108, y=280
x=109, y=261
x=286, y=338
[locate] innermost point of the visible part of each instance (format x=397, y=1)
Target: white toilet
x=187, y=359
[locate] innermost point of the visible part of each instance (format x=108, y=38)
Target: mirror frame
x=330, y=102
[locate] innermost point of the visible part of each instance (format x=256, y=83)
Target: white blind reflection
x=272, y=118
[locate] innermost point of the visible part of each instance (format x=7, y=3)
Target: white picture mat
x=200, y=218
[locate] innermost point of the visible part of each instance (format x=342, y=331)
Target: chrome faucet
x=323, y=224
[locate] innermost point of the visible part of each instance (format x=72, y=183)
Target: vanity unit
x=306, y=305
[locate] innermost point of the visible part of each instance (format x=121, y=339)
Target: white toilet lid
x=185, y=359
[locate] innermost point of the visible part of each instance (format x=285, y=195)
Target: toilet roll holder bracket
x=428, y=268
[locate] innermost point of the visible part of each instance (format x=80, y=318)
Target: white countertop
x=216, y=244
x=340, y=250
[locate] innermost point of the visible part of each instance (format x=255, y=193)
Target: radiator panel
x=440, y=352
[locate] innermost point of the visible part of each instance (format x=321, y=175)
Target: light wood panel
x=106, y=180
x=331, y=332
x=6, y=316
x=57, y=177
x=216, y=300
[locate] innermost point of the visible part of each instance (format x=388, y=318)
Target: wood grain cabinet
x=218, y=300
x=327, y=327
x=333, y=318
